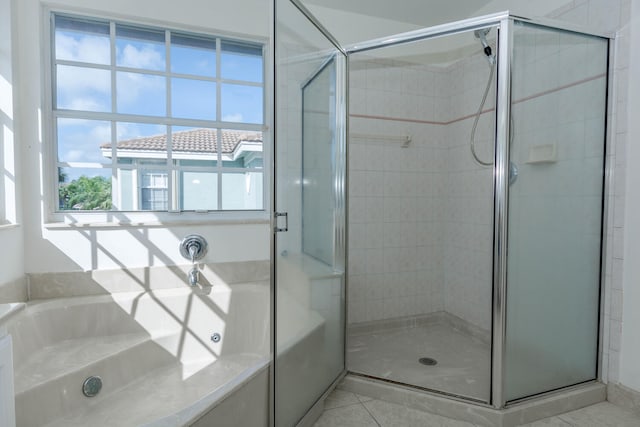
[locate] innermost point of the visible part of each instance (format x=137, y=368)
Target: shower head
x=481, y=35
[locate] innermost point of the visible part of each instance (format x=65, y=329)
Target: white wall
x=80, y=249
x=420, y=216
x=11, y=238
x=396, y=195
x=630, y=355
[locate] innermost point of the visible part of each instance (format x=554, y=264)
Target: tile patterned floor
x=464, y=362
x=346, y=409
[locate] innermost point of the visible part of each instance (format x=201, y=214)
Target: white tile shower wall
x=611, y=16
x=468, y=216
x=373, y=94
x=420, y=217
x=396, y=194
x=558, y=91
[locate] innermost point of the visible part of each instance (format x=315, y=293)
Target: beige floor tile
x=339, y=398
x=346, y=416
x=548, y=422
x=363, y=398
x=601, y=415
x=392, y=415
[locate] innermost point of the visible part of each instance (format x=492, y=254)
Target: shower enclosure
x=476, y=174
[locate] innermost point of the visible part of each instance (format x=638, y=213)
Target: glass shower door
x=421, y=212
x=555, y=209
x=309, y=221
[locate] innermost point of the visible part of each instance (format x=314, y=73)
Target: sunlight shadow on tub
x=180, y=319
x=179, y=333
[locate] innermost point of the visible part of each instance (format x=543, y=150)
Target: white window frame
x=50, y=116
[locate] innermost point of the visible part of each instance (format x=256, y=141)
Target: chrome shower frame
x=504, y=22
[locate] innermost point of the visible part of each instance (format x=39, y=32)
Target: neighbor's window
x=150, y=119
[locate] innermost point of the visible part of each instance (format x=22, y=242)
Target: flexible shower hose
x=472, y=141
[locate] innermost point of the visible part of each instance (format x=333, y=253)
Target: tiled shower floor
x=463, y=361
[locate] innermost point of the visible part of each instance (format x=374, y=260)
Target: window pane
x=193, y=55
x=241, y=149
x=154, y=195
x=140, y=48
x=141, y=94
x=82, y=40
x=143, y=168
x=85, y=89
x=240, y=61
x=199, y=191
x=84, y=141
x=194, y=144
x=193, y=99
x=84, y=189
x=127, y=195
x=241, y=103
x=242, y=190
x=137, y=141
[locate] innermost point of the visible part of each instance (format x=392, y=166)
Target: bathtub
x=170, y=357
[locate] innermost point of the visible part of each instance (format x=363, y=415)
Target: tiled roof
x=190, y=141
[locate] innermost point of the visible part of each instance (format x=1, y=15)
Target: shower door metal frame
x=501, y=211
x=340, y=210
x=501, y=226
x=504, y=21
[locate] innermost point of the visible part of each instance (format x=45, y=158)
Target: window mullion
x=173, y=166
x=219, y=118
x=115, y=182
x=54, y=106
x=172, y=182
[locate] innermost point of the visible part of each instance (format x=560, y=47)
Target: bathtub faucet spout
x=194, y=276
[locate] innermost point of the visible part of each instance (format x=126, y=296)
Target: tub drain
x=427, y=361
x=92, y=386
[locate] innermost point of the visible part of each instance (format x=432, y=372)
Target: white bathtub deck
x=164, y=398
x=68, y=356
x=152, y=351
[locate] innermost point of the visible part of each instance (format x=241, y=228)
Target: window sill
x=8, y=226
x=67, y=221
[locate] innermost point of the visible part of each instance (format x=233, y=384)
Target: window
x=149, y=119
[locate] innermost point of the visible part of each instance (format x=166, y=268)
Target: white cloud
x=80, y=140
x=101, y=133
x=134, y=88
x=75, y=156
x=237, y=117
x=146, y=57
x=82, y=88
x=87, y=103
x=135, y=130
x=86, y=48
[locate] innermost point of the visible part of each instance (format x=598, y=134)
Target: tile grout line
x=569, y=423
x=369, y=412
x=342, y=406
x=363, y=401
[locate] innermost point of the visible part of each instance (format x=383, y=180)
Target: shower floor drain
x=427, y=361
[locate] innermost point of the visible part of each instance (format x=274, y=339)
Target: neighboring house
x=143, y=179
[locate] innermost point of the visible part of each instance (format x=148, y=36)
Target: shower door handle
x=277, y=215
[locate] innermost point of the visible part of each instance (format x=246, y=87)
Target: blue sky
x=140, y=93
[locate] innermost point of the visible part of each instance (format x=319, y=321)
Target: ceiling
x=419, y=12
x=353, y=21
